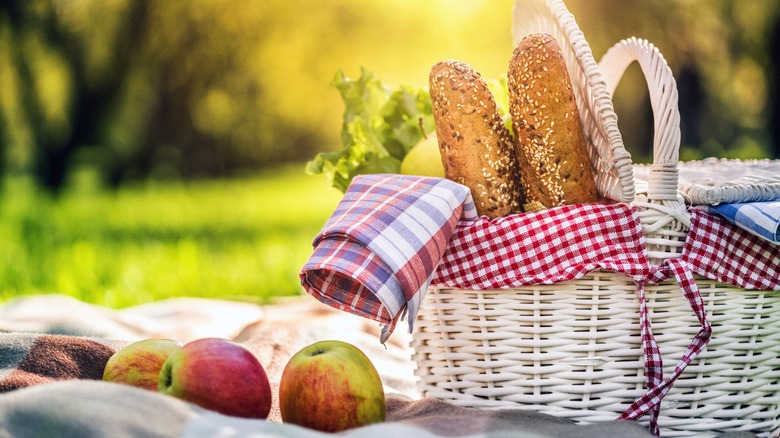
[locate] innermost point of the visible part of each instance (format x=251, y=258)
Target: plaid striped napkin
x=760, y=218
x=377, y=253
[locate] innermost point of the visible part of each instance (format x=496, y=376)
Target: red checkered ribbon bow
x=651, y=401
x=715, y=249
x=386, y=242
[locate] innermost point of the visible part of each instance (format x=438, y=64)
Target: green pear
x=424, y=159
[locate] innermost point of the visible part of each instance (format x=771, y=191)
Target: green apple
x=219, y=375
x=424, y=159
x=331, y=386
x=139, y=363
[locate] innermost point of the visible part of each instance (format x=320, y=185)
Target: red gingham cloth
x=721, y=251
x=544, y=247
x=714, y=249
x=651, y=401
x=568, y=242
x=558, y=244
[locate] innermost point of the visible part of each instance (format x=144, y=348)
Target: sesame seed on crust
x=549, y=142
x=482, y=156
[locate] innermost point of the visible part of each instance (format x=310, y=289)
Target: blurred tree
x=63, y=98
x=774, y=88
x=209, y=87
x=139, y=88
x=196, y=104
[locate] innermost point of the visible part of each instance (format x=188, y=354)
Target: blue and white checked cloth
x=759, y=218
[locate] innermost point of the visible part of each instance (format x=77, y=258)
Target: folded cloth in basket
x=759, y=218
x=376, y=254
x=567, y=242
x=544, y=247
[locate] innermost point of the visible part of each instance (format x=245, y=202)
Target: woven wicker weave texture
x=715, y=181
x=574, y=350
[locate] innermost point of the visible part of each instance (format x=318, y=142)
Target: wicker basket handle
x=662, y=210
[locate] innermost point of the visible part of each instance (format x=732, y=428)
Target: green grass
x=241, y=239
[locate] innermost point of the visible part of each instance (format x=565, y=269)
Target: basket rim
x=713, y=181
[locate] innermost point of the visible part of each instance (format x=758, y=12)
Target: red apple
x=219, y=375
x=139, y=363
x=331, y=386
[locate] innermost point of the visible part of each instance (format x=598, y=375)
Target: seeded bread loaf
x=551, y=149
x=477, y=149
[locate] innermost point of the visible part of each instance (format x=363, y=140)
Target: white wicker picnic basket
x=573, y=349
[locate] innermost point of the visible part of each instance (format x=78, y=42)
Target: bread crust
x=551, y=146
x=476, y=147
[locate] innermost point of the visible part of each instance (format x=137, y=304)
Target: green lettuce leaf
x=380, y=125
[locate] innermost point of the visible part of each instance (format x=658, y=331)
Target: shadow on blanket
x=53, y=350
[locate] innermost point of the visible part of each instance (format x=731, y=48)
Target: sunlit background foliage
x=111, y=110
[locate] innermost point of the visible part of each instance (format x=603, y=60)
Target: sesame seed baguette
x=476, y=147
x=549, y=138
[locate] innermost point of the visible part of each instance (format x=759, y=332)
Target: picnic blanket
x=53, y=348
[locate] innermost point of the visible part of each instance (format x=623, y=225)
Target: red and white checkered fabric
x=352, y=271
x=659, y=387
x=721, y=251
x=568, y=242
x=544, y=247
